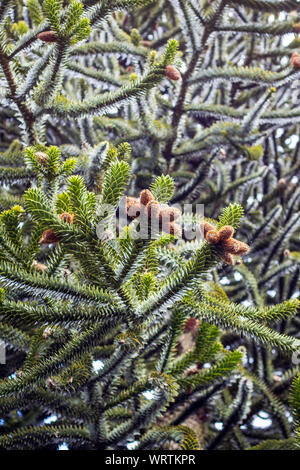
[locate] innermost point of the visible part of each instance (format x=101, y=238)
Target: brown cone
x=146, y=196
x=235, y=247
x=133, y=207
x=66, y=217
x=213, y=237
x=130, y=201
x=295, y=60
x=191, y=324
x=243, y=249
x=172, y=73
x=153, y=209
x=205, y=227
x=169, y=214
x=226, y=232
x=134, y=210
x=49, y=237
x=47, y=36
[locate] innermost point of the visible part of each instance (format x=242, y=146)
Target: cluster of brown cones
x=148, y=206
x=295, y=60
x=166, y=217
x=48, y=237
x=223, y=239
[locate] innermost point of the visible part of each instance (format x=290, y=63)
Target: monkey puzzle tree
x=206, y=93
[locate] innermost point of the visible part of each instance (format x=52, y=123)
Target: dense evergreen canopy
x=113, y=341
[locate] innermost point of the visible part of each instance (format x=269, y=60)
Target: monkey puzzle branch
x=179, y=106
x=23, y=108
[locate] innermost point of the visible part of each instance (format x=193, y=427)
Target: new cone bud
x=66, y=217
x=42, y=158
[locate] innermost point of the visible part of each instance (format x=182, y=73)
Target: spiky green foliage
x=227, y=133
x=33, y=92
x=66, y=304
x=295, y=403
